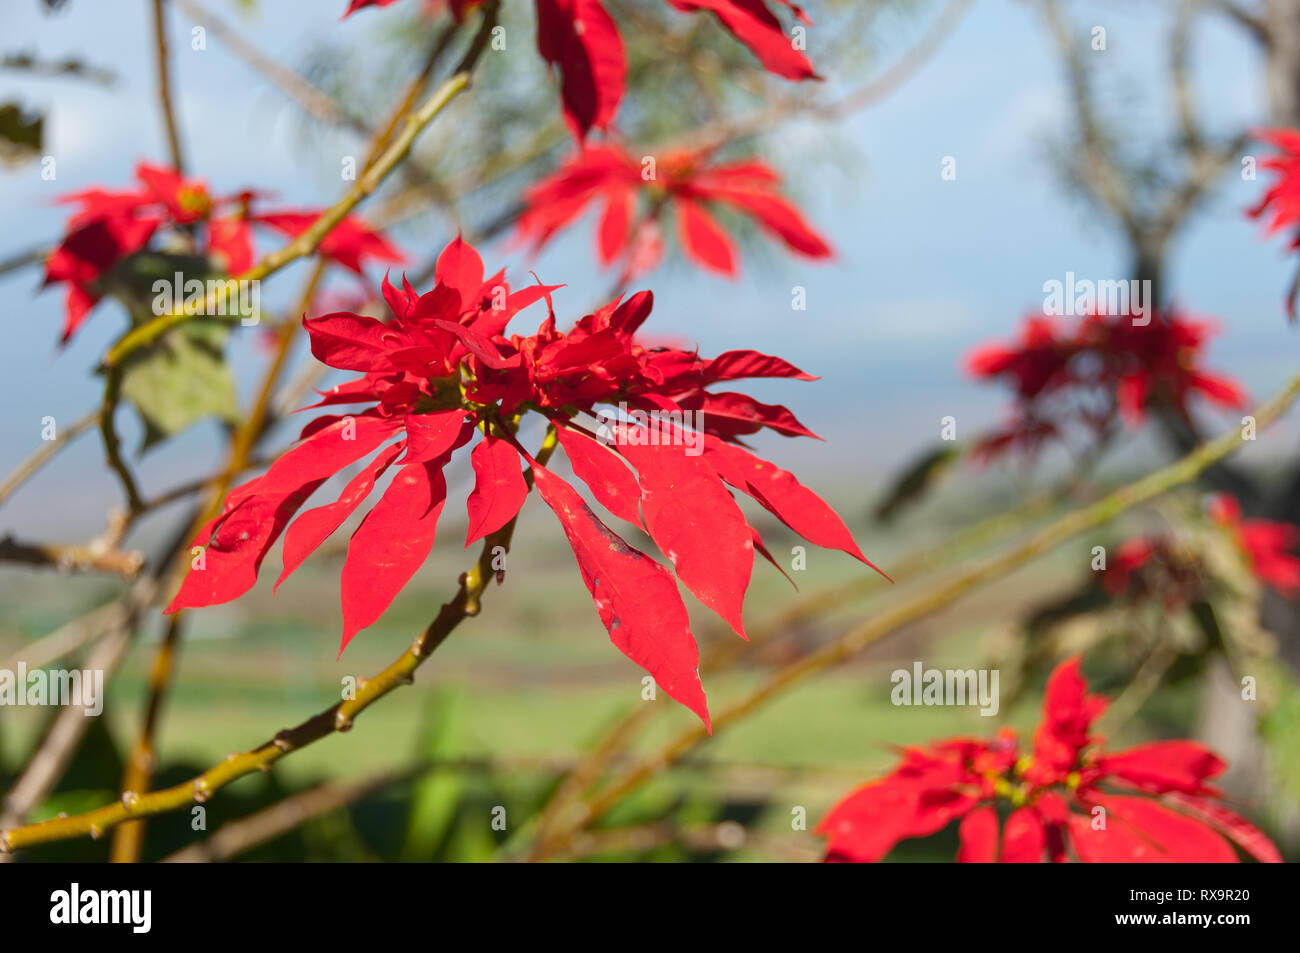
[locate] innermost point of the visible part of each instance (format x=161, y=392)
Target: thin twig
x=165, y=87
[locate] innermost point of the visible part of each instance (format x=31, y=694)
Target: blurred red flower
x=1280, y=204
x=581, y=40
x=109, y=227
x=1104, y=369
x=687, y=182
x=1267, y=544
x=1067, y=798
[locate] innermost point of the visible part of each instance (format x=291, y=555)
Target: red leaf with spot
x=311, y=529
x=235, y=543
x=636, y=597
x=499, y=487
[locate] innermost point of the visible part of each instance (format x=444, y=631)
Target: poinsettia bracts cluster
x=581, y=40
x=1066, y=798
x=1104, y=370
x=109, y=227
x=632, y=194
x=443, y=372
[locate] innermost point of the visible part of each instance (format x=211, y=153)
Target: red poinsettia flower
x=1280, y=204
x=443, y=370
x=1103, y=368
x=581, y=40
x=109, y=227
x=1064, y=799
x=632, y=193
x=1268, y=545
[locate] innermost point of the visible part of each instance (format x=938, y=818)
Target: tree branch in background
x=165, y=87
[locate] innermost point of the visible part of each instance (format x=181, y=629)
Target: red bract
x=1068, y=798
x=1266, y=543
x=1103, y=369
x=111, y=226
x=1280, y=205
x=443, y=369
x=581, y=40
x=687, y=182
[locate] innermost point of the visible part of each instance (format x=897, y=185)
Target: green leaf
x=180, y=380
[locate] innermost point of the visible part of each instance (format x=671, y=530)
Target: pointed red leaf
x=499, y=487
x=784, y=496
x=429, y=436
x=1243, y=833
x=324, y=453
x=704, y=240
x=636, y=597
x=235, y=543
x=350, y=342
x=460, y=267
x=312, y=528
x=979, y=837
x=607, y=476
x=391, y=544
x=581, y=39
x=615, y=221
x=733, y=365
x=694, y=521
x=1024, y=839
x=752, y=23
x=1141, y=830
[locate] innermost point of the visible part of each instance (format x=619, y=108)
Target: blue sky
x=925, y=267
